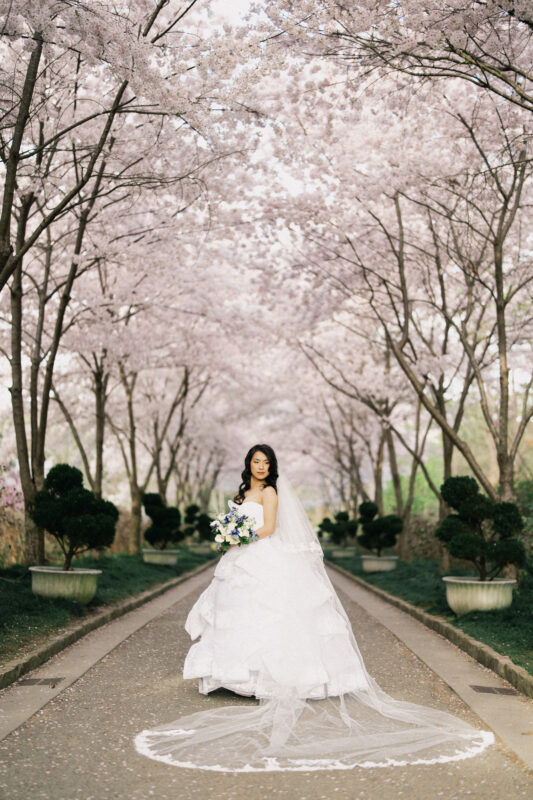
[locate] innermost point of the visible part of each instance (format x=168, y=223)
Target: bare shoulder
x=269, y=495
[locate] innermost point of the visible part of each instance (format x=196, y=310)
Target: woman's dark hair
x=246, y=475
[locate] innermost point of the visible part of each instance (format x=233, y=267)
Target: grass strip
x=26, y=620
x=509, y=631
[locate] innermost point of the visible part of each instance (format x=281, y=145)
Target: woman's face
x=259, y=466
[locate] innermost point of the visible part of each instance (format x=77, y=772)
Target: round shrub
x=341, y=529
x=203, y=527
x=378, y=532
x=166, y=522
x=481, y=531
x=324, y=527
x=197, y=522
x=455, y=491
x=77, y=519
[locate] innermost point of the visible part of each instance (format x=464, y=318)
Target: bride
x=272, y=627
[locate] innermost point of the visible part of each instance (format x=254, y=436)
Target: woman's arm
x=270, y=507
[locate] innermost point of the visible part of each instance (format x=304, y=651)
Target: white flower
x=219, y=538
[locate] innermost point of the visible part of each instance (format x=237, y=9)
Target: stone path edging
x=487, y=656
x=14, y=669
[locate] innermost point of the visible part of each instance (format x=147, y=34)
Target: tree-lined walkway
x=80, y=745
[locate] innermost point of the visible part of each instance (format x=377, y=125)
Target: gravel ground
x=80, y=745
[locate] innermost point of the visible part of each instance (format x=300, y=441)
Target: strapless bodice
x=252, y=509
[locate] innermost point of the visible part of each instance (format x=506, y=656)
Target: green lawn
x=26, y=620
x=509, y=632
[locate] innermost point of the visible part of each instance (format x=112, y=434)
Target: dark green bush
x=191, y=513
x=457, y=490
x=378, y=532
x=166, y=522
x=367, y=511
x=481, y=531
x=197, y=522
x=203, y=527
x=77, y=519
x=340, y=530
x=324, y=527
x=524, y=496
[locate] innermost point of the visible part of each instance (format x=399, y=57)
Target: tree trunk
x=507, y=491
x=13, y=159
x=33, y=538
x=100, y=387
x=393, y=464
x=403, y=539
x=444, y=510
x=447, y=455
x=378, y=475
x=506, y=488
x=136, y=521
x=161, y=484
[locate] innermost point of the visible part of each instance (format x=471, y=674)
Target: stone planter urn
x=168, y=557
x=200, y=547
x=74, y=584
x=379, y=563
x=470, y=594
x=343, y=552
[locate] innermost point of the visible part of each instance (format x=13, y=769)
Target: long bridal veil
x=362, y=726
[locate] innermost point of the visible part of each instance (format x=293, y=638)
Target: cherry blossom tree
x=47, y=285
x=291, y=230
x=420, y=242
x=72, y=71
x=486, y=44
x=110, y=107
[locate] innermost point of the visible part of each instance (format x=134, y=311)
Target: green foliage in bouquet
x=341, y=529
x=74, y=516
x=378, y=532
x=166, y=522
x=481, y=531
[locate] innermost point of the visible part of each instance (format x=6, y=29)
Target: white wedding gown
x=271, y=625
x=263, y=624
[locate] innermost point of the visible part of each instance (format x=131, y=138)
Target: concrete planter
x=343, y=552
x=167, y=557
x=379, y=563
x=470, y=594
x=205, y=547
x=76, y=583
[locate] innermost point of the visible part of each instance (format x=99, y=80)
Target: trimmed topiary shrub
x=481, y=531
x=378, y=532
x=324, y=527
x=203, y=527
x=166, y=522
x=76, y=519
x=197, y=522
x=341, y=529
x=191, y=513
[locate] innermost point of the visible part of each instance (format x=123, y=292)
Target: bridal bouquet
x=233, y=528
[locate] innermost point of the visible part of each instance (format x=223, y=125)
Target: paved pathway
x=80, y=743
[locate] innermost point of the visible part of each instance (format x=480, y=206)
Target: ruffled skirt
x=269, y=619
